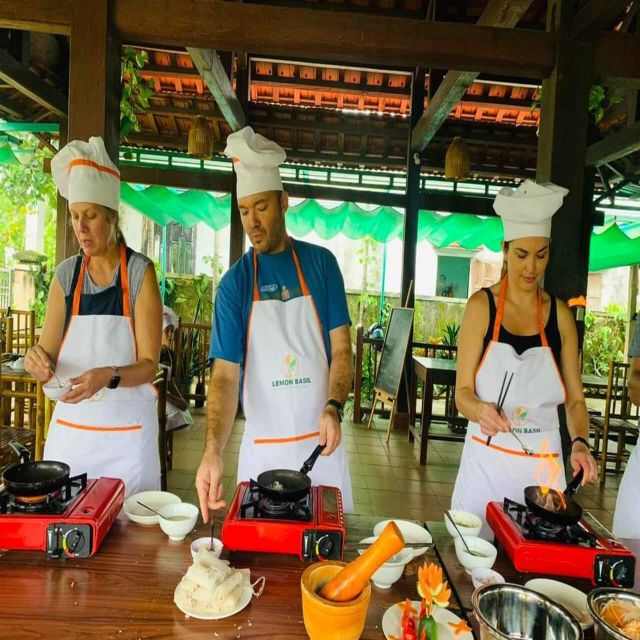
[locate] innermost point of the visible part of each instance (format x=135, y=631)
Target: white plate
x=569, y=597
x=411, y=532
x=245, y=599
x=155, y=499
x=392, y=622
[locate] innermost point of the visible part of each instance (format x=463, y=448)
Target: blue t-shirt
x=277, y=279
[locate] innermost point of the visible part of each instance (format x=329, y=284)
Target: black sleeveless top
x=106, y=302
x=522, y=343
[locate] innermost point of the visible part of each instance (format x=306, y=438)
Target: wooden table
x=594, y=386
x=431, y=372
x=126, y=591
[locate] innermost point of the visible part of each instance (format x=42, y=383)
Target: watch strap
x=583, y=440
x=336, y=405
x=115, y=379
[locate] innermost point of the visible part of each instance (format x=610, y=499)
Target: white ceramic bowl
x=55, y=392
x=569, y=597
x=153, y=499
x=468, y=523
x=481, y=576
x=179, y=519
x=411, y=532
x=206, y=542
x=479, y=545
x=391, y=571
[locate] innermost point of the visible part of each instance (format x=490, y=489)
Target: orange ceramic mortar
x=327, y=620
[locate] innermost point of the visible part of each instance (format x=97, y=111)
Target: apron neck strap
x=498, y=321
x=124, y=280
x=303, y=283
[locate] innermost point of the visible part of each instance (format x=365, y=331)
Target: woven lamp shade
x=457, y=161
x=200, y=139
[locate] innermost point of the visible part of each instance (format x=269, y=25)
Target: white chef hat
x=169, y=317
x=526, y=212
x=84, y=172
x=256, y=160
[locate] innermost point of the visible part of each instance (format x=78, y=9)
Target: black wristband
x=336, y=405
x=581, y=439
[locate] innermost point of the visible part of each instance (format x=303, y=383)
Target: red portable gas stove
x=583, y=550
x=312, y=528
x=69, y=523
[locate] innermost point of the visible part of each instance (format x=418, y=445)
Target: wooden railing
x=371, y=349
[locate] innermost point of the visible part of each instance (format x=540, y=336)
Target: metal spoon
x=464, y=542
x=154, y=511
x=212, y=526
x=528, y=450
x=53, y=373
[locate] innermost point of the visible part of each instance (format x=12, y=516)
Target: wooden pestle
x=347, y=584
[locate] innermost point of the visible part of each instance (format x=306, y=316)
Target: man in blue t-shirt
x=281, y=325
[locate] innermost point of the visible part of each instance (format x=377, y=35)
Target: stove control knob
x=324, y=546
x=618, y=573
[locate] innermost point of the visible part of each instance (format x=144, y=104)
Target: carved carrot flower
x=460, y=627
x=431, y=586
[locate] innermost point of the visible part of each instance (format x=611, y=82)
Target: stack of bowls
x=509, y=611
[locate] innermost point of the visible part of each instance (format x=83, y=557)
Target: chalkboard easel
x=394, y=350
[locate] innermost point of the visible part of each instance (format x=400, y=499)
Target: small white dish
x=154, y=499
x=480, y=546
x=411, y=532
x=392, y=622
x=468, y=523
x=245, y=599
x=55, y=392
x=391, y=571
x=569, y=597
x=179, y=519
x=481, y=577
x=18, y=365
x=206, y=542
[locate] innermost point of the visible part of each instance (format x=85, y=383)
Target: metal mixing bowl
x=596, y=599
x=509, y=611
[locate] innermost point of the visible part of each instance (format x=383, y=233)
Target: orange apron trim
x=512, y=452
x=306, y=436
x=84, y=427
x=81, y=162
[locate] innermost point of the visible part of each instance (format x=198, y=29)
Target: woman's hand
x=38, y=363
x=491, y=422
x=88, y=384
x=581, y=458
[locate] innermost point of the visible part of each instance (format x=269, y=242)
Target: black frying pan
x=29, y=479
x=549, y=506
x=295, y=484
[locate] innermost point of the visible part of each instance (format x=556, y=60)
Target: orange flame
x=547, y=471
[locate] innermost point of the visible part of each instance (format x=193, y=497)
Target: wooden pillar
x=236, y=232
x=410, y=235
x=66, y=244
x=561, y=155
x=94, y=91
x=631, y=308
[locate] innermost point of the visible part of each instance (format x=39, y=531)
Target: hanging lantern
x=200, y=139
x=457, y=162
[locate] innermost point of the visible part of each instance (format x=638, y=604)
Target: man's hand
x=581, y=458
x=330, y=431
x=209, y=484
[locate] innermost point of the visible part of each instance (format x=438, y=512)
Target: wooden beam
x=31, y=85
x=615, y=146
x=595, y=17
x=208, y=63
x=179, y=179
x=616, y=55
x=498, y=13
x=13, y=108
x=47, y=16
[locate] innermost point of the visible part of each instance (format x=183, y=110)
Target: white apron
x=286, y=381
x=114, y=433
x=626, y=519
x=502, y=469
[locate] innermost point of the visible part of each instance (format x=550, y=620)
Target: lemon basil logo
x=521, y=416
x=292, y=377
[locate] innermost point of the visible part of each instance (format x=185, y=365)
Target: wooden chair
x=160, y=383
x=619, y=422
x=6, y=335
x=24, y=329
x=192, y=358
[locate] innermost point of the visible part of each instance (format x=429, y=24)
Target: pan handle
x=21, y=451
x=574, y=484
x=311, y=460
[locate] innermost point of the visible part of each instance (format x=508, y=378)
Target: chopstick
x=407, y=545
x=502, y=397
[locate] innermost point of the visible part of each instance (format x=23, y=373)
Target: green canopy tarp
x=615, y=246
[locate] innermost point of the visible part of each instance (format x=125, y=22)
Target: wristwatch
x=115, y=379
x=337, y=406
x=583, y=440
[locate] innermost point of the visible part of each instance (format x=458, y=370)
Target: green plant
x=603, y=341
x=600, y=99
x=42, y=278
x=135, y=92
